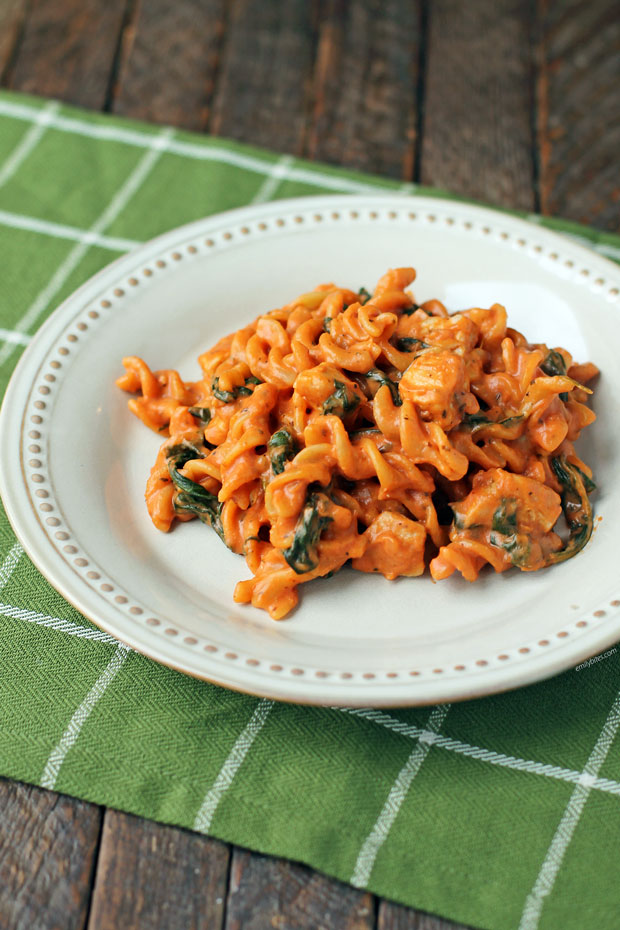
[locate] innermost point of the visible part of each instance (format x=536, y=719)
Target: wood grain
x=395, y=917
x=151, y=876
x=264, y=82
x=168, y=62
x=477, y=123
x=578, y=97
x=12, y=13
x=266, y=892
x=365, y=86
x=68, y=50
x=47, y=852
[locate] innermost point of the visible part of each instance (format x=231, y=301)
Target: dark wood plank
x=168, y=63
x=578, y=96
x=12, y=13
x=263, y=86
x=48, y=845
x=477, y=126
x=395, y=917
x=365, y=87
x=68, y=50
x=150, y=875
x=266, y=892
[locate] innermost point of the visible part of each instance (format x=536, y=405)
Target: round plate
x=78, y=507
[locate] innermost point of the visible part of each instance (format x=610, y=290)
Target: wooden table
x=512, y=102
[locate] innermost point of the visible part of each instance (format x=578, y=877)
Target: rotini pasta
x=365, y=428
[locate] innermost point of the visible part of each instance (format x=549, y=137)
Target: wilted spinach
x=505, y=534
x=505, y=517
x=240, y=390
x=281, y=447
x=553, y=364
x=375, y=374
x=474, y=421
x=191, y=497
x=302, y=555
x=201, y=413
x=575, y=505
x=342, y=402
x=409, y=344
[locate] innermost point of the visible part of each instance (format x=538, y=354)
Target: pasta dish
x=361, y=427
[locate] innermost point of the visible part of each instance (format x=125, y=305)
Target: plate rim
x=474, y=684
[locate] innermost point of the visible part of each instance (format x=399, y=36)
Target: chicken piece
x=457, y=332
x=505, y=520
x=395, y=546
x=436, y=382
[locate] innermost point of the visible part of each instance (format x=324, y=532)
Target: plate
x=77, y=504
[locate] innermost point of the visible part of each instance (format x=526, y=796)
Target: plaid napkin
x=500, y=813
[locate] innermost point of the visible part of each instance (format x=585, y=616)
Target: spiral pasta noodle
x=365, y=428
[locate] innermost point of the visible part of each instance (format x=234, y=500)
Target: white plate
x=77, y=505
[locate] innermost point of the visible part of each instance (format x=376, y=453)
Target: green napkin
x=500, y=813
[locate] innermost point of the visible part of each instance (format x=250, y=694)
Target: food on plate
x=360, y=427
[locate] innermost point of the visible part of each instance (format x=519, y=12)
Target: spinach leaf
x=588, y=483
x=576, y=507
x=240, y=391
x=553, y=364
x=342, y=402
x=245, y=391
x=225, y=396
x=474, y=421
x=409, y=344
x=412, y=309
x=201, y=413
x=364, y=296
x=517, y=546
x=302, y=555
x=505, y=532
x=183, y=452
x=376, y=375
x=505, y=517
x=327, y=322
x=282, y=447
x=191, y=497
